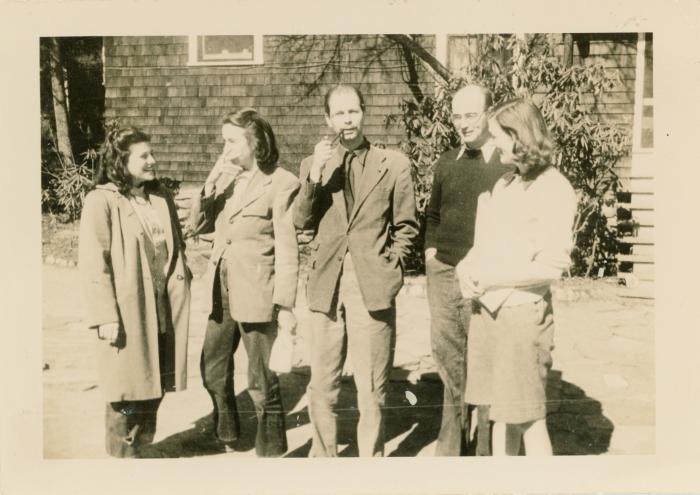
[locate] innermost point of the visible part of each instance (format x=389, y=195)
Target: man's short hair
x=486, y=92
x=340, y=88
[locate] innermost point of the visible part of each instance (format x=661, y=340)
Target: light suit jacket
x=262, y=256
x=378, y=232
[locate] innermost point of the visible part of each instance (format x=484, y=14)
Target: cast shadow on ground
x=200, y=440
x=575, y=421
x=418, y=423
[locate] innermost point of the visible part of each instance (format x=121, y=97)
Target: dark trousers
x=223, y=335
x=129, y=425
x=449, y=329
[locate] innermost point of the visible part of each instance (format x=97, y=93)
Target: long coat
x=378, y=232
x=113, y=260
x=259, y=241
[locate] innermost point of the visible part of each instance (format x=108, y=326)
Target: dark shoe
x=234, y=446
x=226, y=432
x=271, y=438
x=226, y=418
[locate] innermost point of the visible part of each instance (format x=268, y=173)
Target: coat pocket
x=258, y=209
x=392, y=259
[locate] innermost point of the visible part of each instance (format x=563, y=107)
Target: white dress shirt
x=523, y=239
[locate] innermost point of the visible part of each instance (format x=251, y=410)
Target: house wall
x=618, y=54
x=148, y=84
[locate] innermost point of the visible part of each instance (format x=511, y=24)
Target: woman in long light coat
x=137, y=289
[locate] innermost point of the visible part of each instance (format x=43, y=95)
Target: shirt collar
x=360, y=151
x=487, y=150
x=514, y=176
x=246, y=175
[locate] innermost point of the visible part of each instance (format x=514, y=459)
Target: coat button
x=228, y=241
x=180, y=277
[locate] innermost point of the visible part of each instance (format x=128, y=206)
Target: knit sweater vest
x=451, y=212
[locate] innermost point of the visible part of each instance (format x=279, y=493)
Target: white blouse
x=523, y=238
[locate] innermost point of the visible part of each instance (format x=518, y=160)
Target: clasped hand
x=469, y=282
x=286, y=321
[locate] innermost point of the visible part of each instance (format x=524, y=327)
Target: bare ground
x=601, y=390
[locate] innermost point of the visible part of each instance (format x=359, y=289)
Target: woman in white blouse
x=137, y=289
x=522, y=244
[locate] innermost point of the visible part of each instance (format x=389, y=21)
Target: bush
x=587, y=150
x=65, y=183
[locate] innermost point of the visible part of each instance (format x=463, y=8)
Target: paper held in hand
x=281, y=353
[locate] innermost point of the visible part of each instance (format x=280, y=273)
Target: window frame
x=193, y=45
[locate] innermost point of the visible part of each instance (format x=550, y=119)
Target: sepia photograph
x=348, y=245
x=449, y=244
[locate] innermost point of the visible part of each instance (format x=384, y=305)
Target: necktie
x=348, y=161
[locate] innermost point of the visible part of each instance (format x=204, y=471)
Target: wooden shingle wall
x=617, y=53
x=149, y=84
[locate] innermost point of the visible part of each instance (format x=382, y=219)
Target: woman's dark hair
x=114, y=156
x=259, y=134
x=533, y=145
x=340, y=88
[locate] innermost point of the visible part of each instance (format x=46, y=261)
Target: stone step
x=641, y=184
x=635, y=240
x=634, y=258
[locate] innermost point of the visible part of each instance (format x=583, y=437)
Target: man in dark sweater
x=460, y=176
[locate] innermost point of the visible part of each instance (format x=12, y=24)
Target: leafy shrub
x=65, y=183
x=587, y=150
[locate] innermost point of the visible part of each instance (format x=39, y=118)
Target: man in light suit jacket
x=359, y=200
x=247, y=201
